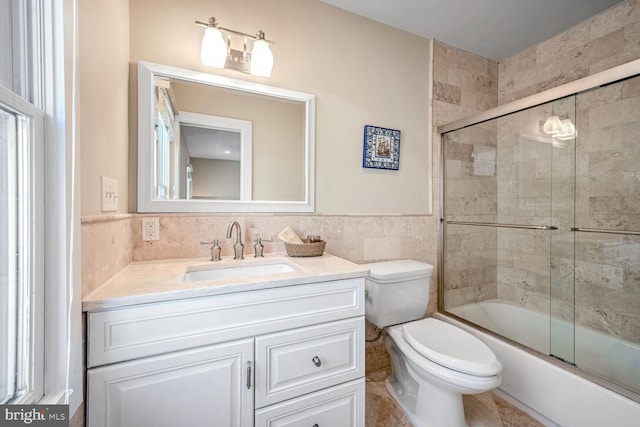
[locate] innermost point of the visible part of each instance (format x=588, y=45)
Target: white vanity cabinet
x=284, y=356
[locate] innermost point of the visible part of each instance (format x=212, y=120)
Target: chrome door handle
x=248, y=375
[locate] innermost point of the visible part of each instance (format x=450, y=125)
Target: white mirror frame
x=146, y=201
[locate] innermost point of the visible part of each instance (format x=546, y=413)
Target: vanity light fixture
x=217, y=52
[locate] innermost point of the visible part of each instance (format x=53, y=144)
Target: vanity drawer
x=149, y=329
x=305, y=360
x=339, y=406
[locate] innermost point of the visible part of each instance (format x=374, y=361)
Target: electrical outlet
x=109, y=193
x=151, y=228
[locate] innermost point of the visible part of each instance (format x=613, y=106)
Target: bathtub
x=553, y=395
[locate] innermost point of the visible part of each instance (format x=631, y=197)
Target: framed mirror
x=208, y=143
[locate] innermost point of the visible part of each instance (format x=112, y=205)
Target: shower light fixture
x=216, y=50
x=562, y=129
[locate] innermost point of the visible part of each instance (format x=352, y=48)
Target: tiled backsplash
x=111, y=243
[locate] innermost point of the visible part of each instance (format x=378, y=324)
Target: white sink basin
x=200, y=273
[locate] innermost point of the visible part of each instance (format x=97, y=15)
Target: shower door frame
x=621, y=72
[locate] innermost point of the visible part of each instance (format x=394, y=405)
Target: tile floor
x=481, y=410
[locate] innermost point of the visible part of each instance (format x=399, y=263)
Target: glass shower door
x=560, y=128
x=541, y=229
x=607, y=233
x=507, y=218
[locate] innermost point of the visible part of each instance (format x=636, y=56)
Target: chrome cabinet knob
x=316, y=360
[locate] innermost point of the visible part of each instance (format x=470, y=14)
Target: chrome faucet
x=238, y=248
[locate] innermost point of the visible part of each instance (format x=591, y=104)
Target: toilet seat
x=451, y=347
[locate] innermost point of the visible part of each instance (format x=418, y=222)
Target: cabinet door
x=209, y=386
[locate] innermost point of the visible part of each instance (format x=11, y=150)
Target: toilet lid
x=399, y=270
x=451, y=347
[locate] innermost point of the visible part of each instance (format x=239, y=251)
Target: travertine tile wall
x=107, y=248
x=606, y=273
x=111, y=243
x=607, y=270
x=465, y=84
x=535, y=187
x=537, y=269
x=470, y=193
x=595, y=279
x=596, y=44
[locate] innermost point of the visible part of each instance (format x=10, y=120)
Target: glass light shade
x=568, y=130
x=560, y=129
x=214, y=48
x=261, y=59
x=552, y=126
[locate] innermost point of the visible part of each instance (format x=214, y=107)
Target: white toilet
x=434, y=363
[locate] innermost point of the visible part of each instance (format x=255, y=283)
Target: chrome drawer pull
x=316, y=425
x=316, y=360
x=248, y=375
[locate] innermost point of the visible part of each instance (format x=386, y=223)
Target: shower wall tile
x=618, y=317
x=471, y=294
x=606, y=40
x=446, y=93
x=603, y=275
x=473, y=77
x=608, y=197
x=606, y=269
x=614, y=113
x=471, y=252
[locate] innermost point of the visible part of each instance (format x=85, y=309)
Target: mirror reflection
x=270, y=131
x=211, y=157
x=217, y=140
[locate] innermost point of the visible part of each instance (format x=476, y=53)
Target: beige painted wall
x=215, y=179
x=103, y=116
x=380, y=77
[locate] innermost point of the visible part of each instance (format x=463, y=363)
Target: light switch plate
x=109, y=194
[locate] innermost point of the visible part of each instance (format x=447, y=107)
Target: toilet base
x=425, y=403
x=406, y=403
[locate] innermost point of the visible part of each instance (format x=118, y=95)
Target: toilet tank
x=397, y=291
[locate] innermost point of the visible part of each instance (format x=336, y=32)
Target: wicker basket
x=315, y=248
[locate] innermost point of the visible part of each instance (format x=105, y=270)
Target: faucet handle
x=215, y=249
x=260, y=239
x=259, y=247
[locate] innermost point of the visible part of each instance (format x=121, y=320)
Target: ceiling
x=209, y=143
x=494, y=29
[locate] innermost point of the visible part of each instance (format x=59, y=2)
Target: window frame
x=31, y=230
x=55, y=344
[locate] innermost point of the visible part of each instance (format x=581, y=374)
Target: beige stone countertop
x=163, y=280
